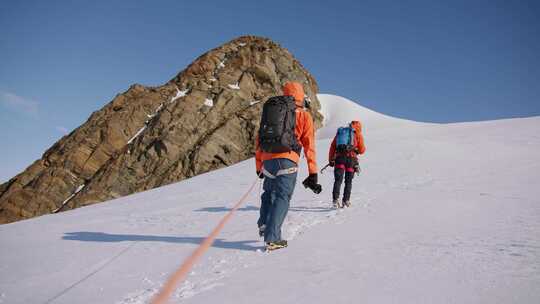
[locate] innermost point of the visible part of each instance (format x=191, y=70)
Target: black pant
x=338, y=179
x=344, y=167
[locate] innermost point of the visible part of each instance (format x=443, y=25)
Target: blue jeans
x=276, y=197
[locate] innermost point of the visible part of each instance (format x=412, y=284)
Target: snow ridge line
x=182, y=272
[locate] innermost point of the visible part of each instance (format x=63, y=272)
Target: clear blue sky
x=440, y=61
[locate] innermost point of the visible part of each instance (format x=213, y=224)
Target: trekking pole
x=325, y=167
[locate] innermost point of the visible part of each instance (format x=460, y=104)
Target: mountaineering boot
x=261, y=230
x=346, y=203
x=276, y=245
x=336, y=203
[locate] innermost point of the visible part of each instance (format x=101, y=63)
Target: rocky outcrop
x=203, y=119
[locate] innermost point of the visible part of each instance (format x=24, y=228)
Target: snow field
x=441, y=213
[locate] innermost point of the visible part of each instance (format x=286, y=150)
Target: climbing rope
x=182, y=272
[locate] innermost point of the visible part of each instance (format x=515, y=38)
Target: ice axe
x=357, y=170
x=325, y=167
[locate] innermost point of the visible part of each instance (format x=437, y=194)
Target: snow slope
x=442, y=213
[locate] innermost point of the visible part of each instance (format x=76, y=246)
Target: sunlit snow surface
x=441, y=213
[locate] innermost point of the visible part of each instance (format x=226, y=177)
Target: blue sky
x=439, y=61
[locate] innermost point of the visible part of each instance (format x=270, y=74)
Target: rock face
x=203, y=119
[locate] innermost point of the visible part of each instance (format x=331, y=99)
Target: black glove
x=260, y=174
x=332, y=163
x=311, y=183
x=312, y=179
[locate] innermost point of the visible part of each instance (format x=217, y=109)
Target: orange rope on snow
x=182, y=272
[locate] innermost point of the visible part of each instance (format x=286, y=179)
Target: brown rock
x=203, y=119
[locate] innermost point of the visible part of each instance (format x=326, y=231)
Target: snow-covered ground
x=442, y=213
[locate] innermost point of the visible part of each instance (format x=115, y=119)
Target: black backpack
x=278, y=122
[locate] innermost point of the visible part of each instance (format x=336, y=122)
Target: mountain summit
x=203, y=119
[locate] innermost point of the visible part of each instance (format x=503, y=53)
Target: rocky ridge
x=203, y=119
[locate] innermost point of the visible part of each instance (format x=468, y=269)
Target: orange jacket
x=358, y=143
x=305, y=132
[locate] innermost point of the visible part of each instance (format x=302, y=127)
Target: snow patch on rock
x=235, y=86
x=137, y=134
x=179, y=94
x=208, y=102
x=79, y=188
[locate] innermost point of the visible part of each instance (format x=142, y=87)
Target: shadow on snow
x=255, y=208
x=88, y=236
x=225, y=209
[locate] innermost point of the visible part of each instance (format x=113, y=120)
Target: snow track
x=245, y=254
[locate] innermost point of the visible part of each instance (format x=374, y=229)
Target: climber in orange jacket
x=347, y=144
x=286, y=128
